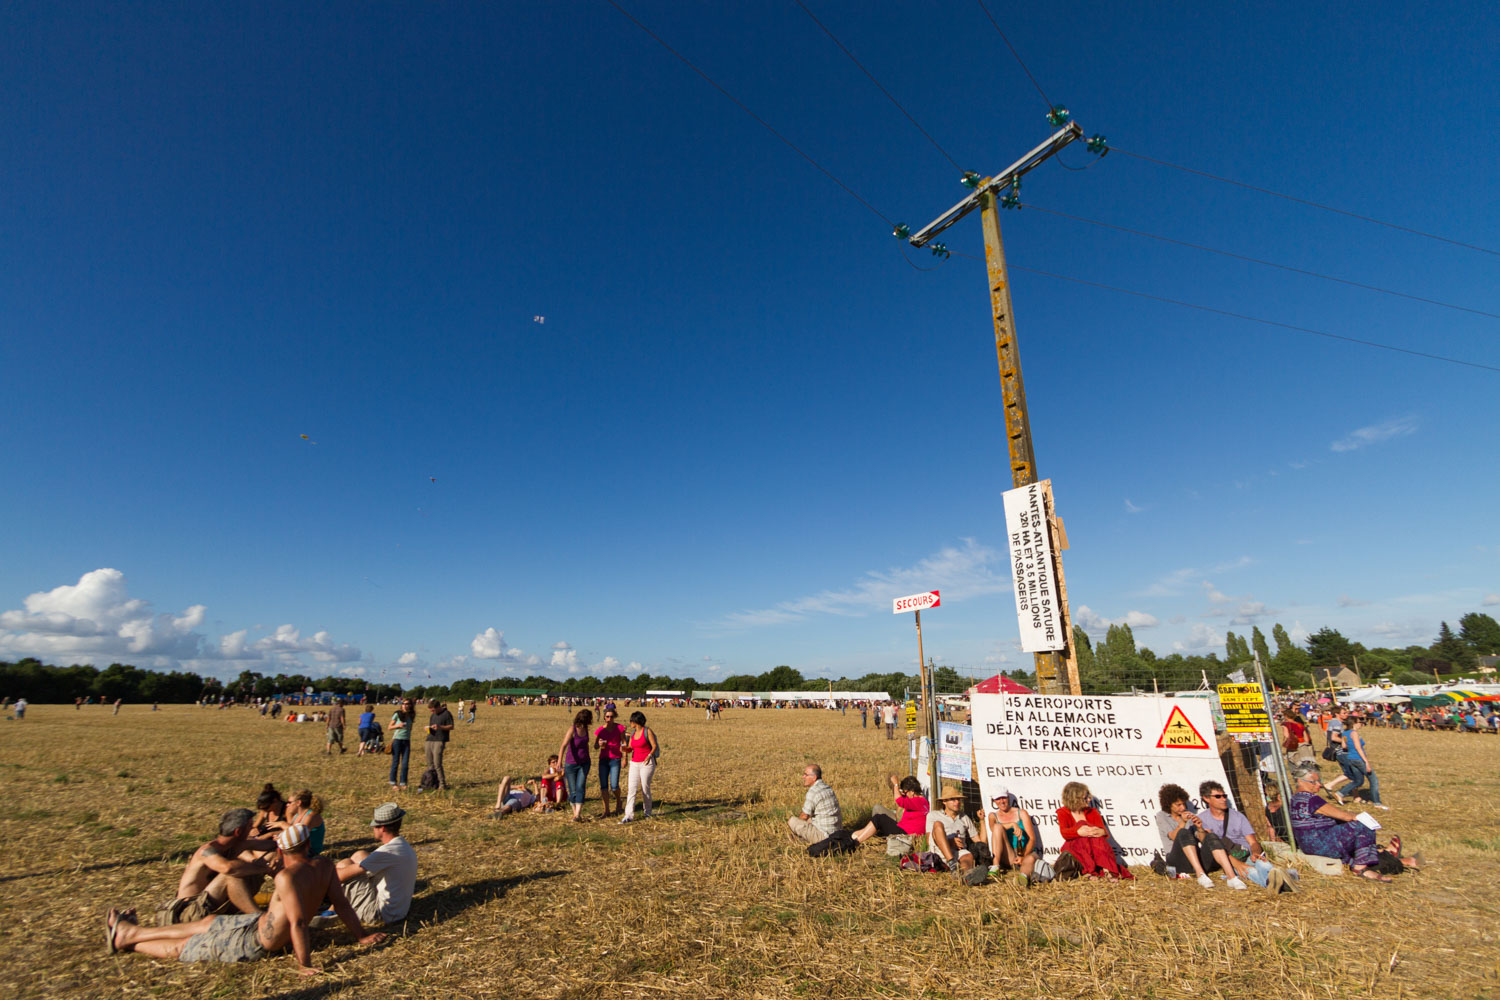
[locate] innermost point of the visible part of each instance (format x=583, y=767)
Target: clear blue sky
x=746, y=423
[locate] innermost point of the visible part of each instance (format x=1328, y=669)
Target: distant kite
x=539, y=319
x=307, y=439
x=432, y=479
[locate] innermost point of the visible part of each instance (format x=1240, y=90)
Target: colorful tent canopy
x=1444, y=698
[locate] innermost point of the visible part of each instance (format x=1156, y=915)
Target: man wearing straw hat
x=380, y=883
x=303, y=884
x=947, y=826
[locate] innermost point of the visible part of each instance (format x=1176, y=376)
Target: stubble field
x=710, y=899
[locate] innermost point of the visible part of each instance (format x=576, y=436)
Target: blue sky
x=746, y=423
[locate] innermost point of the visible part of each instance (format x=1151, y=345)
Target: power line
x=1264, y=263
x=742, y=106
x=1255, y=319
x=936, y=145
x=1021, y=62
x=1311, y=204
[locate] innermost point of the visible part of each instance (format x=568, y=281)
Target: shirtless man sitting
x=217, y=878
x=302, y=885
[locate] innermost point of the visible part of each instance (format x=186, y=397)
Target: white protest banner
x=1124, y=748
x=955, y=750
x=1032, y=569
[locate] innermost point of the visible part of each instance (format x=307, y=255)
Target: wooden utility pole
x=1056, y=670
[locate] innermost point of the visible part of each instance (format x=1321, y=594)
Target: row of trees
x=1117, y=663
x=1114, y=664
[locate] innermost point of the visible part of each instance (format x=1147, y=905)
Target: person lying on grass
x=1185, y=841
x=509, y=799
x=1085, y=836
x=949, y=831
x=217, y=878
x=302, y=885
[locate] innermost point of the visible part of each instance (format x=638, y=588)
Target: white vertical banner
x=1038, y=608
x=1124, y=748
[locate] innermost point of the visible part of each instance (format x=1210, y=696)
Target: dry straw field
x=710, y=899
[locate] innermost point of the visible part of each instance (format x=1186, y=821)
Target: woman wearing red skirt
x=1085, y=836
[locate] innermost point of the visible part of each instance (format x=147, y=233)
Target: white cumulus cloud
x=96, y=619
x=490, y=645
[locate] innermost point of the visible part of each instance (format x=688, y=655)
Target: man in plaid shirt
x=820, y=809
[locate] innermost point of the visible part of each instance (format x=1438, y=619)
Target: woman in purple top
x=576, y=759
x=609, y=738
x=1324, y=829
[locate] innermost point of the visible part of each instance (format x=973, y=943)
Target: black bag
x=1066, y=867
x=838, y=842
x=1387, y=863
x=981, y=852
x=429, y=782
x=1329, y=753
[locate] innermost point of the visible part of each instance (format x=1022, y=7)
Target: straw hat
x=950, y=792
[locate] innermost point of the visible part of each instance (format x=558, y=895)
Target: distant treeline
x=46, y=684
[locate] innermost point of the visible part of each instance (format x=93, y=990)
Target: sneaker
x=1235, y=883
x=1207, y=882
x=1381, y=806
x=1023, y=880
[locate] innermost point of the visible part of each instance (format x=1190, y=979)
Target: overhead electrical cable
x=1309, y=203
x=1252, y=319
x=1263, y=263
x=743, y=107
x=1021, y=62
x=936, y=145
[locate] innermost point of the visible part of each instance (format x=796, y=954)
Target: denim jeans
x=1355, y=769
x=577, y=778
x=399, y=754
x=609, y=775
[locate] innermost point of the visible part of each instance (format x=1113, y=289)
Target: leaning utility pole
x=1056, y=670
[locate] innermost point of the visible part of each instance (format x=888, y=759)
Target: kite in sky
x=308, y=439
x=539, y=319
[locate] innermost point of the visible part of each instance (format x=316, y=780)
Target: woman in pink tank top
x=644, y=751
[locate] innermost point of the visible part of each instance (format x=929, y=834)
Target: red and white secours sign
x=916, y=602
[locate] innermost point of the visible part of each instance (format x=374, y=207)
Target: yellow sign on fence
x=1244, y=710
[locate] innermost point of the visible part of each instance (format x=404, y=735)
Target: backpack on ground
x=1066, y=867
x=429, y=782
x=838, y=842
x=923, y=861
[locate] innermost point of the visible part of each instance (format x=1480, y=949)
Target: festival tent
x=999, y=684
x=1445, y=698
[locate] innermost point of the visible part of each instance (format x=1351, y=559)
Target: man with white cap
x=380, y=883
x=303, y=884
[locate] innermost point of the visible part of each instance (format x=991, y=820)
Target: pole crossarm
x=1044, y=151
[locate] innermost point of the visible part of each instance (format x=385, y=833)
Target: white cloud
x=1214, y=595
x=94, y=620
x=1097, y=625
x=1345, y=601
x=561, y=645
x=490, y=645
x=1490, y=600
x=565, y=657
x=408, y=659
x=608, y=665
x=633, y=667
x=970, y=570
x=1201, y=637
x=1131, y=508
x=1375, y=433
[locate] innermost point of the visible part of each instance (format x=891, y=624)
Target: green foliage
x=1453, y=650
x=1328, y=647
x=1258, y=645
x=1236, y=648
x=1480, y=633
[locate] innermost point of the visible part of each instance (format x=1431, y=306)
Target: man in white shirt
x=949, y=830
x=380, y=883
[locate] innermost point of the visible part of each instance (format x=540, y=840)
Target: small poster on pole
x=955, y=750
x=1038, y=608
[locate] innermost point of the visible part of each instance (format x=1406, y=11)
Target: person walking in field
x=610, y=739
x=335, y=728
x=402, y=720
x=643, y=753
x=889, y=712
x=576, y=759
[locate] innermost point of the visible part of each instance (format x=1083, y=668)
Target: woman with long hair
x=306, y=809
x=576, y=759
x=401, y=723
x=1085, y=836
x=643, y=753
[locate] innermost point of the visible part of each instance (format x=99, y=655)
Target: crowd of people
x=219, y=912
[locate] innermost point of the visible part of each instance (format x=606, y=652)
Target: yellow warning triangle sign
x=1180, y=734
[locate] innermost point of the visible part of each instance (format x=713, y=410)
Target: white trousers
x=640, y=781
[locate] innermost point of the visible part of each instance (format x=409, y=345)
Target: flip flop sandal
x=111, y=921
x=1396, y=845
